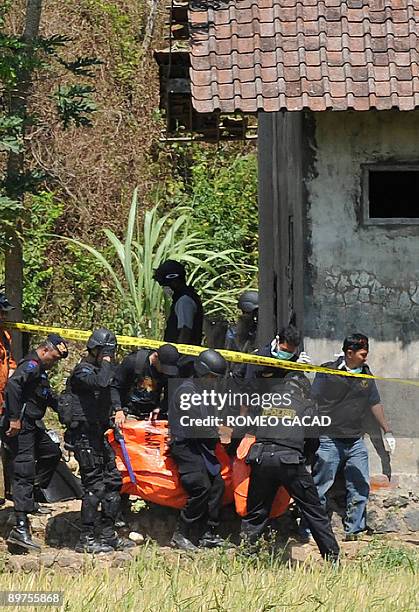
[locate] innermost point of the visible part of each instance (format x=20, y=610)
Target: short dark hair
x=355, y=342
x=290, y=335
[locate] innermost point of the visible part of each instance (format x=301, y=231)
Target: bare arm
x=378, y=412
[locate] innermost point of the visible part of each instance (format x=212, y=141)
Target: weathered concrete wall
x=359, y=278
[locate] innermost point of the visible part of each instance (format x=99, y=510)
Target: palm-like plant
x=141, y=252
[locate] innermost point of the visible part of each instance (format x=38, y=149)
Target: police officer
x=242, y=337
x=90, y=385
x=185, y=321
x=277, y=458
x=193, y=449
x=34, y=456
x=139, y=387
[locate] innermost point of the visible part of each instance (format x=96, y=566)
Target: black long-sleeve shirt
x=91, y=384
x=28, y=390
x=138, y=390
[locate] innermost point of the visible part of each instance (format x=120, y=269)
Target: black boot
x=38, y=509
x=20, y=534
x=180, y=538
x=89, y=544
x=117, y=543
x=211, y=539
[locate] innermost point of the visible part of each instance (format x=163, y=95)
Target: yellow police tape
x=188, y=349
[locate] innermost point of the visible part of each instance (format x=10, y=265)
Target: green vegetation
x=142, y=251
x=221, y=581
x=83, y=160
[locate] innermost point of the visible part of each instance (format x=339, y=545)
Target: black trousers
x=34, y=458
x=101, y=482
x=265, y=479
x=205, y=490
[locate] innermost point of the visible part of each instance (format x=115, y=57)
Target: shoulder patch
x=85, y=370
x=31, y=365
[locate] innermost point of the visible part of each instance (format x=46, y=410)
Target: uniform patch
x=31, y=365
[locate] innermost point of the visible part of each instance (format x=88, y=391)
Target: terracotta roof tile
x=293, y=54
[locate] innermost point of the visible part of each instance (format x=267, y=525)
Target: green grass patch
x=219, y=581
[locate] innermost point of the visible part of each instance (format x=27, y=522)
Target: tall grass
x=219, y=581
x=132, y=262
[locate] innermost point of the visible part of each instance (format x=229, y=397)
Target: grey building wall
x=359, y=277
x=356, y=277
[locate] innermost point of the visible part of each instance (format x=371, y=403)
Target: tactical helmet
x=102, y=338
x=248, y=301
x=168, y=271
x=5, y=305
x=210, y=362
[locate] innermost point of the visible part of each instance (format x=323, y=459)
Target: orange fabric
x=241, y=478
x=156, y=472
x=6, y=364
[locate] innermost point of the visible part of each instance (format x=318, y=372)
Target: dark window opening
x=393, y=194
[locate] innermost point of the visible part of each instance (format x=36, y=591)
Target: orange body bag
x=157, y=476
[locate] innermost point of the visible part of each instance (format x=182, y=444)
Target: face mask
x=286, y=355
x=168, y=291
x=355, y=370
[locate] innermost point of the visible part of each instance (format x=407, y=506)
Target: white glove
x=303, y=358
x=389, y=442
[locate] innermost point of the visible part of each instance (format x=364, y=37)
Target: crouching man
x=89, y=386
x=193, y=449
x=277, y=459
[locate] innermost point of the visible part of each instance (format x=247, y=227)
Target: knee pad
x=24, y=468
x=111, y=504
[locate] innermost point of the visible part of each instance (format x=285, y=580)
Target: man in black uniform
x=34, y=456
x=277, y=458
x=193, y=449
x=184, y=325
x=242, y=337
x=139, y=386
x=90, y=386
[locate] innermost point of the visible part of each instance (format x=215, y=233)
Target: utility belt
x=272, y=452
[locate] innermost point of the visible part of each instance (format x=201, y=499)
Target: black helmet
x=248, y=301
x=102, y=338
x=210, y=362
x=5, y=305
x=168, y=271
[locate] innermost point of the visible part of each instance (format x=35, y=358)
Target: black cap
x=168, y=358
x=4, y=303
x=59, y=344
x=168, y=271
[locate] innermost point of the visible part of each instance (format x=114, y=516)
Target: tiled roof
x=270, y=55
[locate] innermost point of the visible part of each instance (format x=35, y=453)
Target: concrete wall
x=363, y=278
